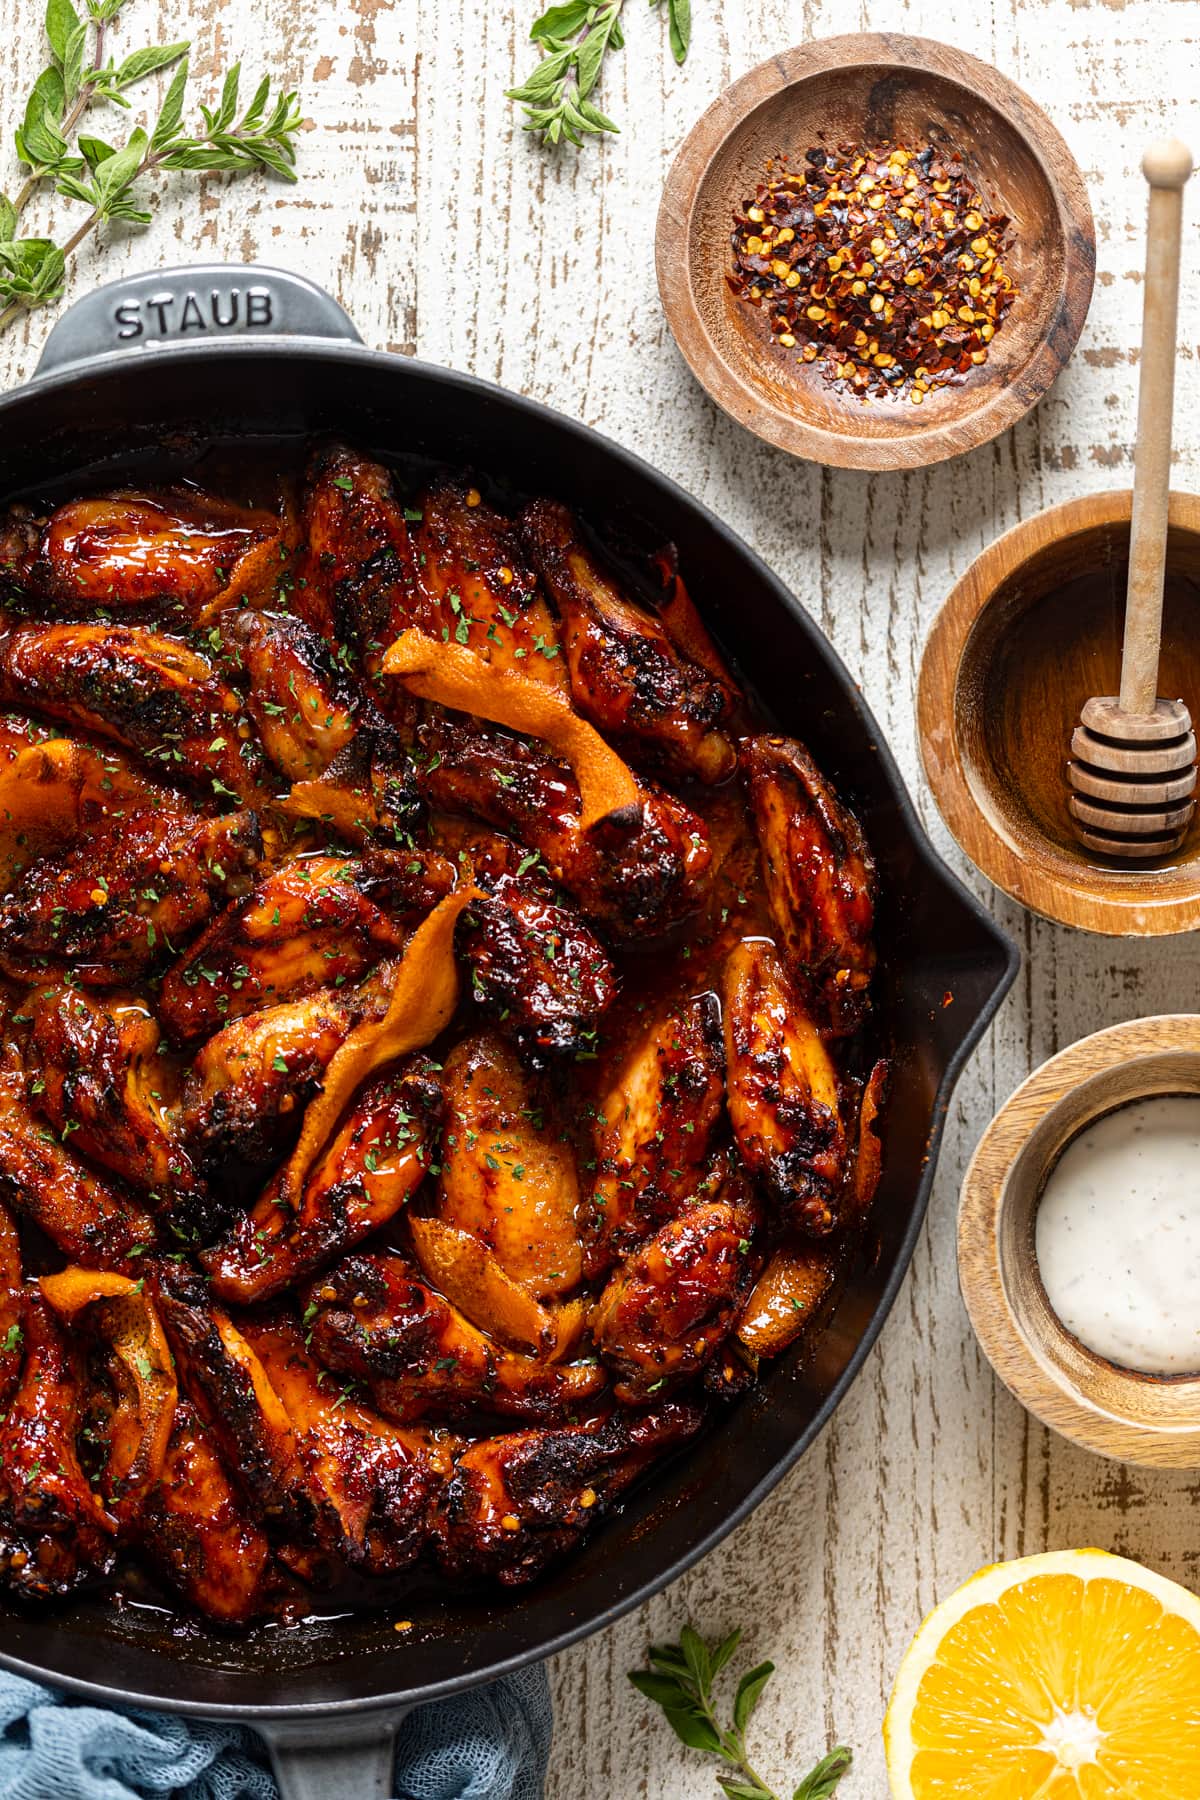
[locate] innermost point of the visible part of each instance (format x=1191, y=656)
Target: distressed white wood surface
x=444, y=231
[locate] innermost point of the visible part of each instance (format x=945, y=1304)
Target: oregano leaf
x=822, y=1782
x=749, y=1693
x=172, y=109
x=561, y=21
x=145, y=62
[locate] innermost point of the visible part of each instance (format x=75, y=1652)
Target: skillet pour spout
x=136, y=380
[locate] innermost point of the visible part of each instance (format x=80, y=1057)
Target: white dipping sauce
x=1118, y=1236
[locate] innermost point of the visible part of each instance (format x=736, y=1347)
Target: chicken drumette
x=376, y=1320
x=186, y=551
x=309, y=923
x=819, y=876
x=655, y=1128
x=374, y=1163
x=626, y=674
x=516, y=1503
x=148, y=691
x=117, y=902
x=634, y=880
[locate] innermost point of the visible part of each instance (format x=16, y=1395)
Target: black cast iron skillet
x=132, y=380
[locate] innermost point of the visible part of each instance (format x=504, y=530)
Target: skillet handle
x=323, y=1760
x=203, y=303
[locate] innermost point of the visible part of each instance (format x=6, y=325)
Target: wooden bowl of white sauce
x=1079, y=1242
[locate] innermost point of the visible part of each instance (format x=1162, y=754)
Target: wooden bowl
x=1032, y=629
x=869, y=88
x=1117, y=1412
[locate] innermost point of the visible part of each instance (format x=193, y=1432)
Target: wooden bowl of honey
x=1031, y=630
x=872, y=90
x=1010, y=1266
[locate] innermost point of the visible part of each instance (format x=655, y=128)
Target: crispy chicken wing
x=53, y=791
x=791, y=1297
x=143, y=689
x=536, y=969
x=187, y=551
x=89, y=1218
x=368, y=794
x=372, y=1483
x=475, y=571
x=508, y=1169
x=131, y=1390
x=359, y=577
x=376, y=1159
x=12, y=1306
x=111, y=906
x=54, y=1531
x=819, y=876
x=670, y=1306
x=244, y=1095
x=98, y=1069
x=635, y=882
x=626, y=674
x=198, y=1531
x=516, y=1503
x=315, y=922
x=224, y=1379
x=655, y=1128
x=303, y=702
x=785, y=1099
x=376, y=1320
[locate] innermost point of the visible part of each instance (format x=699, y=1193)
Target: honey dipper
x=1133, y=755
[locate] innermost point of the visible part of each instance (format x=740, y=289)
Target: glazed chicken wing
x=98, y=1069
x=142, y=689
x=655, y=1128
x=89, y=1218
x=785, y=1099
x=225, y=1381
x=518, y=1502
x=245, y=1093
x=670, y=1306
x=12, y=1306
x=375, y=1161
x=376, y=1320
x=627, y=677
x=196, y=1528
x=791, y=1297
x=536, y=969
x=819, y=876
x=113, y=905
x=367, y=795
x=508, y=1169
x=372, y=1483
x=54, y=1531
x=317, y=921
x=475, y=571
x=359, y=578
x=303, y=702
x=188, y=551
x=634, y=881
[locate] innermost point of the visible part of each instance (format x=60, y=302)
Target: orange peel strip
x=454, y=676
x=467, y=1272
x=422, y=1004
x=144, y=1373
x=682, y=623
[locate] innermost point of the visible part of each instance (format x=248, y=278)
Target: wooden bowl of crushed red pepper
x=875, y=251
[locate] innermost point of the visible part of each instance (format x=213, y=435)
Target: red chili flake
x=884, y=266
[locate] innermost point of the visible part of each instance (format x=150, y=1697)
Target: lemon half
x=1069, y=1676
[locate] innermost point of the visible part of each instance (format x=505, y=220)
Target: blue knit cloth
x=489, y=1744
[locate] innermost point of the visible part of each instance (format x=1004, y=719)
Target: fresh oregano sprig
x=574, y=38
x=102, y=176
x=680, y=1680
